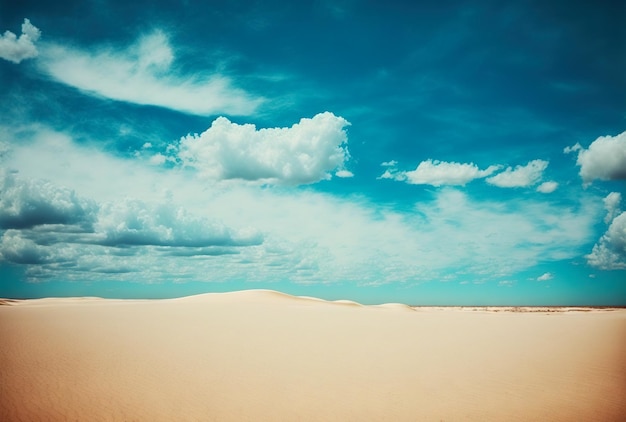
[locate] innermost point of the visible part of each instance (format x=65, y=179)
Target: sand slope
x=266, y=356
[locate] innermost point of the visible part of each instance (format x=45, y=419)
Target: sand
x=266, y=356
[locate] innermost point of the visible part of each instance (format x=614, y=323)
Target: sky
x=430, y=153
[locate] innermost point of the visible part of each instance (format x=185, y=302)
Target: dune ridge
x=268, y=295
x=264, y=355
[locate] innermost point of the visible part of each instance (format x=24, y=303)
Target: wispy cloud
x=143, y=73
x=15, y=49
x=547, y=187
x=545, y=277
x=170, y=224
x=442, y=173
x=520, y=176
x=438, y=173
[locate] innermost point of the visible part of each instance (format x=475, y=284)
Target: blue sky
x=417, y=152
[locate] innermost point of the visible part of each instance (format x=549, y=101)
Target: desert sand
x=265, y=356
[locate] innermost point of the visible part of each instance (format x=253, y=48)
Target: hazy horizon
x=469, y=154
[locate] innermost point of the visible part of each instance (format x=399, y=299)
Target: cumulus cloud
x=612, y=206
x=135, y=223
x=48, y=224
x=438, y=173
x=19, y=250
x=16, y=49
x=547, y=187
x=307, y=236
x=605, y=159
x=304, y=153
x=143, y=73
x=25, y=204
x=545, y=277
x=610, y=251
x=521, y=176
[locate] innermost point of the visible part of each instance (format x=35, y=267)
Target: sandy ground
x=264, y=356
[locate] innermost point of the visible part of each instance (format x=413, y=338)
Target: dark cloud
x=210, y=251
x=57, y=231
x=27, y=204
x=19, y=250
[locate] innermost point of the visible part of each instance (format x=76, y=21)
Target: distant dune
x=261, y=355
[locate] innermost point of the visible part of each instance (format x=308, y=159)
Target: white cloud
x=391, y=163
x=344, y=174
x=547, y=187
x=521, y=176
x=438, y=173
x=545, y=277
x=505, y=237
x=158, y=159
x=132, y=222
x=389, y=174
x=143, y=74
x=605, y=159
x=610, y=251
x=573, y=148
x=166, y=225
x=16, y=49
x=304, y=153
x=612, y=206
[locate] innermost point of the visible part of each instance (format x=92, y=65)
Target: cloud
x=545, y=277
x=47, y=224
x=31, y=203
x=344, y=174
x=135, y=223
x=610, y=251
x=16, y=249
x=547, y=187
x=204, y=251
x=16, y=49
x=612, y=206
x=304, y=153
x=519, y=234
x=521, y=176
x=143, y=73
x=605, y=159
x=438, y=173
x=146, y=228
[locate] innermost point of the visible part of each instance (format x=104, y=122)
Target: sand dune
x=266, y=356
